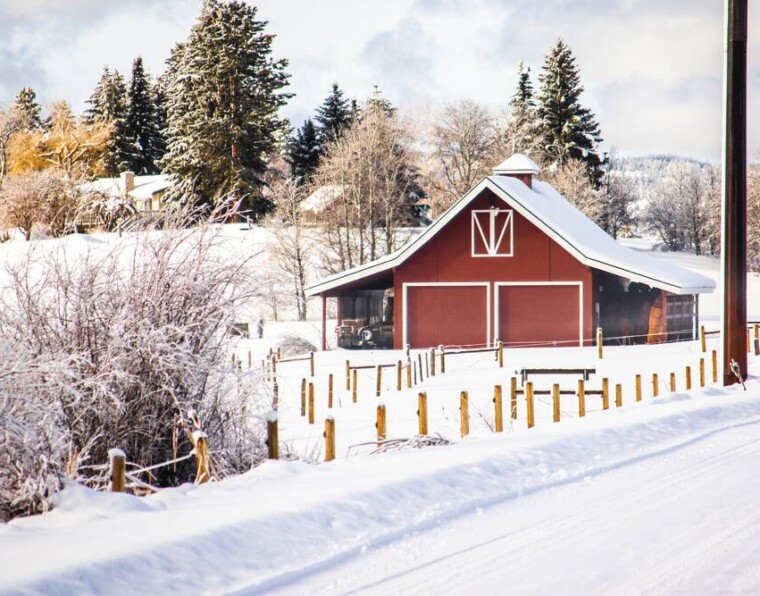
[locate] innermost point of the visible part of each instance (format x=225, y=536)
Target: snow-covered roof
x=517, y=164
x=560, y=220
x=144, y=189
x=321, y=198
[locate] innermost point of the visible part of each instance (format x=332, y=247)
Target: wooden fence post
x=419, y=366
x=498, y=412
x=443, y=358
x=355, y=388
x=276, y=396
x=273, y=378
x=655, y=385
x=422, y=413
x=715, y=366
x=379, y=383
x=414, y=372
x=311, y=363
x=407, y=352
x=672, y=382
x=581, y=398
x=432, y=362
x=330, y=390
x=398, y=376
x=599, y=342
x=513, y=398
x=702, y=339
x=605, y=393
x=688, y=378
x=529, y=403
x=618, y=395
x=273, y=437
x=311, y=403
x=202, y=458
x=249, y=359
x=329, y=438
x=303, y=397
x=555, y=402
x=408, y=374
x=427, y=368
x=118, y=465
x=500, y=353
x=638, y=387
x=464, y=413
x=749, y=342
x=757, y=339
x=701, y=372
x=380, y=424
x=348, y=376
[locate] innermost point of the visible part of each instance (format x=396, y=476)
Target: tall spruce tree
x=570, y=130
x=523, y=133
x=334, y=115
x=109, y=105
x=26, y=104
x=140, y=126
x=159, y=103
x=303, y=152
x=223, y=95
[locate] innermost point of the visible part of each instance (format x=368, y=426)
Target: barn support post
x=324, y=324
x=734, y=236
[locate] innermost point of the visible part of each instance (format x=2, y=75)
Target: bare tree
x=376, y=189
x=464, y=140
x=49, y=198
x=291, y=249
x=12, y=121
x=682, y=207
x=618, y=194
x=753, y=216
x=571, y=180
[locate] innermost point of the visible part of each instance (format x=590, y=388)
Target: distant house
x=512, y=260
x=144, y=192
x=319, y=202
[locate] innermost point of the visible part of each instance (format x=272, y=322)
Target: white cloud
x=652, y=68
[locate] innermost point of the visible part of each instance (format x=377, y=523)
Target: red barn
x=513, y=260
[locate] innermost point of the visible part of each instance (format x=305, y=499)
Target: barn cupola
x=518, y=166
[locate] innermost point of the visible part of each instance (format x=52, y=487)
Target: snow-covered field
x=653, y=497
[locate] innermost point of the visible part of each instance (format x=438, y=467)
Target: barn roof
x=560, y=220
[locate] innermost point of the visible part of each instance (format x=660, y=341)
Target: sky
x=652, y=69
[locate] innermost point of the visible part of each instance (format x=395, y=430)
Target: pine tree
x=140, y=126
x=223, y=95
x=523, y=133
x=303, y=152
x=159, y=103
x=109, y=105
x=26, y=104
x=334, y=115
x=570, y=130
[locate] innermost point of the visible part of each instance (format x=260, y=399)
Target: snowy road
x=685, y=521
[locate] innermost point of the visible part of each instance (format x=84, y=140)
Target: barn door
x=533, y=314
x=448, y=314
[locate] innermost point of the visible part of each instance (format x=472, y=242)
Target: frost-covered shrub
x=293, y=345
x=138, y=326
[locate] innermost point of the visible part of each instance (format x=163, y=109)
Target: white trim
x=467, y=284
x=492, y=243
x=499, y=284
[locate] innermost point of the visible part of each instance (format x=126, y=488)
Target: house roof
x=560, y=220
x=145, y=186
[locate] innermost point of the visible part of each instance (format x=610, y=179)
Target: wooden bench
x=526, y=372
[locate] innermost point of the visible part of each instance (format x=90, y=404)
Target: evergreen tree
x=303, y=152
x=334, y=115
x=159, y=103
x=140, y=126
x=109, y=105
x=570, y=130
x=523, y=133
x=223, y=96
x=26, y=104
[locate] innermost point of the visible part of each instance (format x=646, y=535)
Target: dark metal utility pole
x=734, y=249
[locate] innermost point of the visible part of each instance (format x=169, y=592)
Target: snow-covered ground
x=653, y=497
